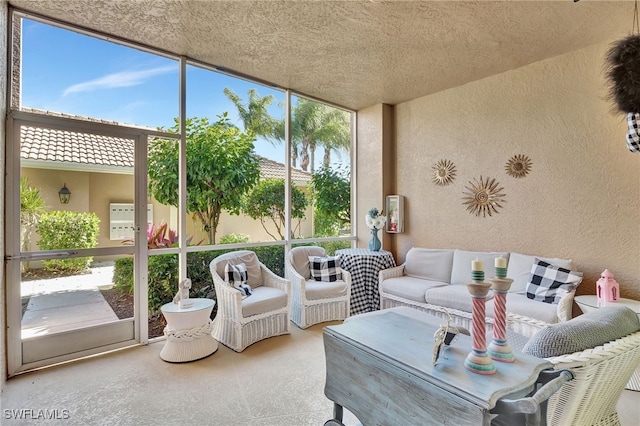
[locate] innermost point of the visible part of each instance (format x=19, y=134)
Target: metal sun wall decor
x=444, y=172
x=484, y=197
x=518, y=166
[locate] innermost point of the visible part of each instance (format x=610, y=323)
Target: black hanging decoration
x=624, y=73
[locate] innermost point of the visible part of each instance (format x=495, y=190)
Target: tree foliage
x=221, y=168
x=332, y=195
x=265, y=202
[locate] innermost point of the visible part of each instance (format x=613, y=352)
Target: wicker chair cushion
x=300, y=258
x=315, y=290
x=589, y=330
x=247, y=257
x=264, y=299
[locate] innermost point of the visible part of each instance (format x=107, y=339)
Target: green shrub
x=68, y=230
x=123, y=274
x=235, y=238
x=163, y=280
x=331, y=246
x=163, y=271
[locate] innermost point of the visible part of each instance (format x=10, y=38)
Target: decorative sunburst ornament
x=518, y=166
x=444, y=172
x=484, y=197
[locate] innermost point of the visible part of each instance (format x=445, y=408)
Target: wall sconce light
x=64, y=194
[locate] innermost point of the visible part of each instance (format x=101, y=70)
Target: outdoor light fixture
x=64, y=194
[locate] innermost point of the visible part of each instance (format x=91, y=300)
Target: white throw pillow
x=429, y=264
x=461, y=271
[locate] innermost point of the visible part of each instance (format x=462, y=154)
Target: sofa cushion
x=595, y=328
x=321, y=290
x=461, y=269
x=264, y=299
x=519, y=269
x=326, y=269
x=520, y=304
x=453, y=296
x=409, y=287
x=430, y=264
x=548, y=283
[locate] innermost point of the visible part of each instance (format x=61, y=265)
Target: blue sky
x=67, y=72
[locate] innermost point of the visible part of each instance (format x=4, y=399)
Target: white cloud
x=118, y=79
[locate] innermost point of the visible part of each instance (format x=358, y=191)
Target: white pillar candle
x=477, y=265
x=501, y=262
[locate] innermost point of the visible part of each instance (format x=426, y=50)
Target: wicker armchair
x=600, y=375
x=314, y=302
x=266, y=313
x=600, y=372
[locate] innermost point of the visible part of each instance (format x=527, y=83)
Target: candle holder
x=478, y=361
x=499, y=349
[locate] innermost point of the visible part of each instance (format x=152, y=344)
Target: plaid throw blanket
x=633, y=137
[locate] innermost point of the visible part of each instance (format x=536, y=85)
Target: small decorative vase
x=374, y=242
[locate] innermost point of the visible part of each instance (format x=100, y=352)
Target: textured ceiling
x=354, y=53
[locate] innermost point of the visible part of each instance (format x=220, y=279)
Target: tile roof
x=73, y=147
x=42, y=143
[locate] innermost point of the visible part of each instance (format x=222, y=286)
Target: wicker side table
x=188, y=332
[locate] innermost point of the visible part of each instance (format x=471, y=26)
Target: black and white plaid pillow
x=236, y=276
x=325, y=268
x=549, y=283
x=633, y=135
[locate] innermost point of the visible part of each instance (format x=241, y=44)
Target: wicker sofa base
x=518, y=324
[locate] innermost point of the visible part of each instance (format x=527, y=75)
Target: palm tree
x=316, y=125
x=335, y=135
x=32, y=206
x=255, y=116
x=313, y=125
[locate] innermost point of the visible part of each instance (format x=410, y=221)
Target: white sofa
x=434, y=281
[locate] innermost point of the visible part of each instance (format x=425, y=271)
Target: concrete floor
x=66, y=303
x=278, y=381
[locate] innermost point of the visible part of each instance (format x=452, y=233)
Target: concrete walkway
x=66, y=303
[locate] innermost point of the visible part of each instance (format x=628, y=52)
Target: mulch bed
x=122, y=305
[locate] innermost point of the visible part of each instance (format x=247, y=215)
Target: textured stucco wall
x=375, y=167
x=369, y=168
x=581, y=199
